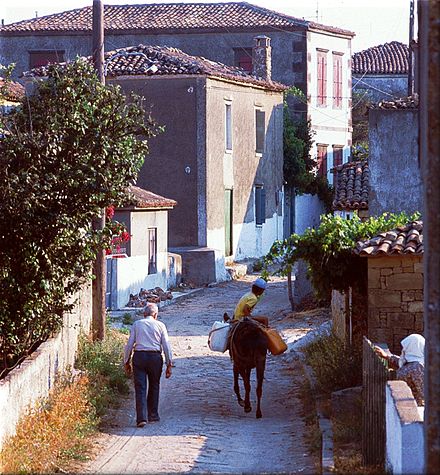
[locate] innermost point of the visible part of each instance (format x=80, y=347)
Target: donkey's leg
x=260, y=376
x=246, y=375
x=237, y=387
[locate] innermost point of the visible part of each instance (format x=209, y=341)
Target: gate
x=375, y=374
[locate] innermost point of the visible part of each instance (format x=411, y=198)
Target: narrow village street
x=202, y=427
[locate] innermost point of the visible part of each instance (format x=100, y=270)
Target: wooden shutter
x=259, y=130
x=322, y=78
x=260, y=205
x=337, y=80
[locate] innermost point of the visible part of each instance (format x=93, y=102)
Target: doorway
x=228, y=222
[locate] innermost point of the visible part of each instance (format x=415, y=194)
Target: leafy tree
x=361, y=103
x=328, y=250
x=69, y=150
x=299, y=165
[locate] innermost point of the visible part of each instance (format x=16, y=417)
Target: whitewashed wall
x=35, y=376
x=308, y=209
x=128, y=275
x=332, y=126
x=404, y=430
x=249, y=240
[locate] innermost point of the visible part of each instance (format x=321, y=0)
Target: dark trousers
x=147, y=365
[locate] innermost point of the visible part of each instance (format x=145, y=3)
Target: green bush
x=127, y=318
x=102, y=362
x=336, y=365
x=67, y=151
x=328, y=250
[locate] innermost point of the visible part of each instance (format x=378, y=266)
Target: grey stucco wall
x=173, y=105
x=288, y=48
x=246, y=168
x=395, y=180
x=381, y=87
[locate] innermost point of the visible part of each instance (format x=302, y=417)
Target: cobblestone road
x=202, y=428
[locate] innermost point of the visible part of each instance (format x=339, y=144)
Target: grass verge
x=57, y=430
x=335, y=364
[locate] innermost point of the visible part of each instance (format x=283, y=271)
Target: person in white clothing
x=148, y=338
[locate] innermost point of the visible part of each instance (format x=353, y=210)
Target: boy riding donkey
x=247, y=303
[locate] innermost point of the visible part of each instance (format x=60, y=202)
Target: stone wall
x=35, y=376
x=339, y=314
x=395, y=299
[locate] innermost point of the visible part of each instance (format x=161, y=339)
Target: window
x=337, y=155
x=260, y=205
x=228, y=127
x=322, y=160
x=243, y=58
x=322, y=78
x=260, y=119
x=152, y=250
x=41, y=58
x=337, y=80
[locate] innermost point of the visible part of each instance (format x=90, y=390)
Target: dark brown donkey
x=248, y=349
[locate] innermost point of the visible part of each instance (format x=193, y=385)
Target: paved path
x=202, y=428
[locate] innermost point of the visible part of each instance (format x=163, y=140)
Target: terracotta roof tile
x=403, y=240
x=136, y=60
x=389, y=58
x=165, y=16
x=10, y=90
x=146, y=199
x=352, y=183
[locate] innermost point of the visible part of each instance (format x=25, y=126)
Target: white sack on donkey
x=218, y=337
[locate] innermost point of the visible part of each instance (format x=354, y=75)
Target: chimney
x=261, y=58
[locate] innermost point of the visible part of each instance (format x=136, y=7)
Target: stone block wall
x=395, y=299
x=339, y=314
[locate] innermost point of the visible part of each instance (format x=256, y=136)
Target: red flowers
x=110, y=212
x=118, y=231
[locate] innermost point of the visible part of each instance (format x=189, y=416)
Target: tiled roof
x=11, y=91
x=403, y=240
x=389, y=58
x=146, y=199
x=166, y=17
x=352, y=183
x=410, y=102
x=163, y=60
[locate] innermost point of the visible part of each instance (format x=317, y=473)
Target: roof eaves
x=312, y=26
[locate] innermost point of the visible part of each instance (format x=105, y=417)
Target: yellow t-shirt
x=249, y=299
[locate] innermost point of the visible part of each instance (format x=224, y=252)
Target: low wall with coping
x=35, y=376
x=404, y=430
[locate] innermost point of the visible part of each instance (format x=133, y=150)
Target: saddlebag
x=219, y=336
x=275, y=344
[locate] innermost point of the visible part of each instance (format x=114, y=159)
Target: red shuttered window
x=322, y=78
x=337, y=81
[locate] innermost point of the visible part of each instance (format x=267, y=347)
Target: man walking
x=148, y=337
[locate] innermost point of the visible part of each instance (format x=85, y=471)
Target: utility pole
x=410, y=50
x=429, y=159
x=99, y=270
